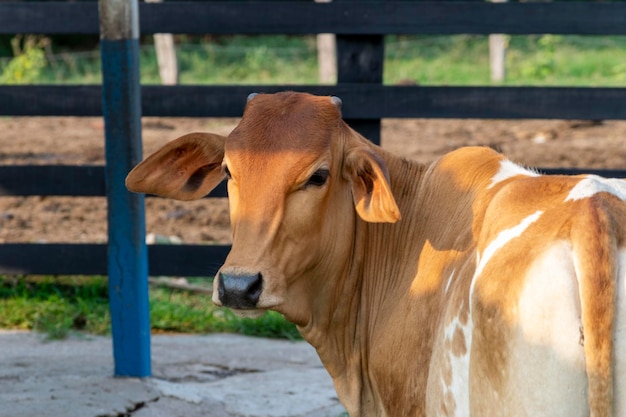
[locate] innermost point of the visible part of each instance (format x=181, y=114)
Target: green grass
x=568, y=60
x=63, y=305
x=245, y=60
x=437, y=60
x=54, y=307
x=426, y=60
x=235, y=59
x=531, y=60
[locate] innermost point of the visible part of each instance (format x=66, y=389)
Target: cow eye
x=318, y=179
x=227, y=172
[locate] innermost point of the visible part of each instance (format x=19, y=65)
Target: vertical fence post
x=127, y=254
x=360, y=59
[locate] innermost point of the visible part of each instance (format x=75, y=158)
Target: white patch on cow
x=508, y=170
x=620, y=336
x=450, y=278
x=546, y=349
x=549, y=306
x=459, y=387
x=593, y=184
x=502, y=239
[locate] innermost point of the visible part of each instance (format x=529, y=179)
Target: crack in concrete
x=132, y=408
x=203, y=372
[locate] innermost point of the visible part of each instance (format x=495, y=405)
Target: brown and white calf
x=470, y=286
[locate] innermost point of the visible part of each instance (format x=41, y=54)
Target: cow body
x=470, y=286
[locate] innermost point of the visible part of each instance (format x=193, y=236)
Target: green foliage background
x=425, y=60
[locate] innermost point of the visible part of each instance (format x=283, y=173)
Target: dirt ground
x=72, y=140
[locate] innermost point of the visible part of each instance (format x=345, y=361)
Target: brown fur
x=362, y=263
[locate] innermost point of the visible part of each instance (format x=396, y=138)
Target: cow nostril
x=255, y=289
x=221, y=291
x=239, y=291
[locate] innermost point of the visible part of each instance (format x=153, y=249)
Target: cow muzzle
x=239, y=291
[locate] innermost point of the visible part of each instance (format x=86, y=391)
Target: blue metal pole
x=127, y=255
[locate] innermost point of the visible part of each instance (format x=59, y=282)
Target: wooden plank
x=127, y=254
x=49, y=17
x=186, y=260
x=88, y=181
x=360, y=101
x=371, y=101
x=360, y=60
x=61, y=180
x=91, y=259
x=47, y=180
x=498, y=102
x=386, y=17
x=53, y=259
x=50, y=100
x=371, y=17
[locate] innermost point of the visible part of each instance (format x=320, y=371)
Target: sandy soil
x=71, y=140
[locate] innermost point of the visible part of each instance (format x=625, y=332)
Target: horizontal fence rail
x=60, y=180
x=49, y=180
x=343, y=18
x=91, y=259
x=88, y=181
x=369, y=101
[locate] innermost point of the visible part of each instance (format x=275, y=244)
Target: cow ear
x=187, y=168
x=371, y=190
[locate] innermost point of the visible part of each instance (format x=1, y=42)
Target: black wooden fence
x=360, y=26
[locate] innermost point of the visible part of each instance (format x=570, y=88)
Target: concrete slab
x=208, y=375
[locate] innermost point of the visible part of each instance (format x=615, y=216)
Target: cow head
x=298, y=177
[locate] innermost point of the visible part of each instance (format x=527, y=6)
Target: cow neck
x=395, y=281
x=344, y=329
